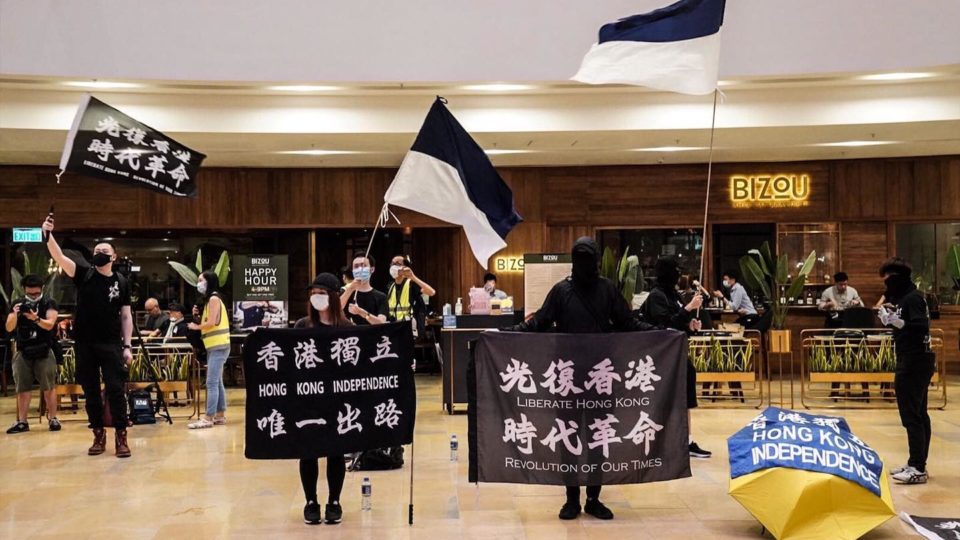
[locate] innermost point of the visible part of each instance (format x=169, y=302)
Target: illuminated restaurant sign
x=508, y=264
x=781, y=190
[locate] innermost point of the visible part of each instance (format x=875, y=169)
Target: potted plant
x=67, y=384
x=723, y=360
x=221, y=269
x=625, y=274
x=761, y=271
x=953, y=270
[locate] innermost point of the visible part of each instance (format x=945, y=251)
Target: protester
x=365, y=304
x=32, y=321
x=324, y=310
x=405, y=295
x=739, y=300
x=490, y=285
x=907, y=314
x=664, y=307
x=103, y=327
x=214, y=328
x=177, y=327
x=584, y=303
x=157, y=320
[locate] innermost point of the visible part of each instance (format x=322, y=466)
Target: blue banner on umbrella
x=785, y=438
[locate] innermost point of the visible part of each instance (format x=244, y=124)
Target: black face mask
x=586, y=262
x=101, y=259
x=897, y=285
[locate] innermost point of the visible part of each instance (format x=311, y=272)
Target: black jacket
x=571, y=310
x=663, y=307
x=914, y=338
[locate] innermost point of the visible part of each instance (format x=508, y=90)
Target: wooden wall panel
x=863, y=247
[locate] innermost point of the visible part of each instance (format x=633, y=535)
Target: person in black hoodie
x=907, y=314
x=584, y=303
x=665, y=308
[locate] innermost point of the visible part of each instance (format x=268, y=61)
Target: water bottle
x=366, y=494
x=454, y=448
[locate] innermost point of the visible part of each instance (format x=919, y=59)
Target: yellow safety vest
x=219, y=335
x=400, y=308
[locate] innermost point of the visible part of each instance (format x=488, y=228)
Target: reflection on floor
x=197, y=484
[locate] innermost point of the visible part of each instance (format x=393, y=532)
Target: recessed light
x=102, y=85
x=896, y=76
x=668, y=149
x=303, y=88
x=501, y=151
x=854, y=144
x=316, y=152
x=497, y=87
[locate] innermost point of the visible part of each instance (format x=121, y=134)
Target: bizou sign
x=781, y=190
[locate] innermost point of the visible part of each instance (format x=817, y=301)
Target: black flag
x=107, y=144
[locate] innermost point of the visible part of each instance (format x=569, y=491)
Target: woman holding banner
x=324, y=310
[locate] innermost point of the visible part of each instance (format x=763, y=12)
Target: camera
x=27, y=329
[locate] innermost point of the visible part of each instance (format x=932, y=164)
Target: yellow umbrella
x=794, y=503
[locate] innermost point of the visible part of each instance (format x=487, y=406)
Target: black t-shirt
x=28, y=332
x=914, y=338
x=416, y=299
x=253, y=316
x=99, y=299
x=373, y=301
x=161, y=322
x=595, y=310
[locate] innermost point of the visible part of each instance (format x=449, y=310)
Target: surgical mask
x=727, y=284
x=395, y=271
x=320, y=302
x=489, y=287
x=101, y=259
x=202, y=287
x=34, y=298
x=362, y=273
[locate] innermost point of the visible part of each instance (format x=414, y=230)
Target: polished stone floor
x=197, y=484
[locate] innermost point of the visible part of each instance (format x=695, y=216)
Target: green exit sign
x=34, y=234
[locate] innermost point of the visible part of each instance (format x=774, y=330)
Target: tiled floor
x=197, y=484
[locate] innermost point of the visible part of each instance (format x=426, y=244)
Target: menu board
x=541, y=271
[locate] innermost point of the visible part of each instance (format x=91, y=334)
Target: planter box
x=69, y=389
x=848, y=377
x=726, y=376
x=167, y=387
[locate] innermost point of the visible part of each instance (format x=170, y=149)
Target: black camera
x=27, y=329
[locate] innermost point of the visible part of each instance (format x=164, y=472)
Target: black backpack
x=381, y=459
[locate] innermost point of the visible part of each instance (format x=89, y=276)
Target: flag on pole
x=447, y=175
x=675, y=48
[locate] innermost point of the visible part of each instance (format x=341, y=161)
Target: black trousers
x=94, y=359
x=573, y=493
x=911, y=386
x=310, y=472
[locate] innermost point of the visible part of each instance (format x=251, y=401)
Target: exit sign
x=34, y=234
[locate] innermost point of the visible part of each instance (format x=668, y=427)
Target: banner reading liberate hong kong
x=328, y=391
x=585, y=409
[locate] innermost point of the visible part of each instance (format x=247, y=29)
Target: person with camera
x=103, y=326
x=31, y=322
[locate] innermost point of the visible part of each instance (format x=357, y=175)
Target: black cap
x=326, y=281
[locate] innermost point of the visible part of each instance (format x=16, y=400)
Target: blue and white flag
x=447, y=175
x=675, y=48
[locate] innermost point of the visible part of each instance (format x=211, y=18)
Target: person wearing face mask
x=365, y=304
x=103, y=329
x=584, y=303
x=405, y=295
x=739, y=301
x=490, y=285
x=214, y=329
x=906, y=313
x=324, y=310
x=157, y=321
x=665, y=308
x=31, y=322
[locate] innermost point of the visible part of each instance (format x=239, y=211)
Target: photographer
x=103, y=328
x=31, y=322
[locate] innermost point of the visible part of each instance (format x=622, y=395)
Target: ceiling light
x=303, y=88
x=897, y=76
x=316, y=152
x=500, y=152
x=854, y=144
x=497, y=87
x=668, y=149
x=102, y=85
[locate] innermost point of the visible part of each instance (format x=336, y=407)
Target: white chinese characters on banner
x=387, y=414
x=306, y=355
x=640, y=374
x=274, y=421
x=347, y=420
x=518, y=374
x=563, y=432
x=558, y=379
x=645, y=432
x=270, y=356
x=345, y=351
x=602, y=377
x=383, y=350
x=604, y=434
x=522, y=433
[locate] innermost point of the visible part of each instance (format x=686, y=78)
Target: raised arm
x=68, y=265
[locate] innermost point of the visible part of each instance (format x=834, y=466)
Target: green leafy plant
x=716, y=356
x=953, y=269
x=761, y=271
x=191, y=275
x=67, y=372
x=625, y=273
x=39, y=264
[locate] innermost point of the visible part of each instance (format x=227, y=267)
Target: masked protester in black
x=907, y=314
x=584, y=303
x=664, y=307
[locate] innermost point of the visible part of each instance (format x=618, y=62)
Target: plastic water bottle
x=366, y=494
x=454, y=448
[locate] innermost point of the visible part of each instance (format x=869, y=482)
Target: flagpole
x=706, y=201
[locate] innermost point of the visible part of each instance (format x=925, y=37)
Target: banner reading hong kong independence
x=584, y=409
x=328, y=391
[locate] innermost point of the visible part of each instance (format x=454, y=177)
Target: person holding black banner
x=907, y=314
x=214, y=329
x=103, y=327
x=367, y=305
x=32, y=321
x=584, y=303
x=664, y=307
x=324, y=310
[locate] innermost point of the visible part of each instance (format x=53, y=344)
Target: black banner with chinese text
x=107, y=144
x=579, y=409
x=328, y=391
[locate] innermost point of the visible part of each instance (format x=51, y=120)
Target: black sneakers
x=18, y=427
x=54, y=424
x=697, y=452
x=597, y=509
x=311, y=513
x=570, y=510
x=334, y=513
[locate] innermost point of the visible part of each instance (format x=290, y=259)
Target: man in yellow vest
x=404, y=297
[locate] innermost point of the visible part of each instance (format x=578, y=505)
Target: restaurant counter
x=456, y=355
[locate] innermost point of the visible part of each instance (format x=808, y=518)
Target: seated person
x=178, y=323
x=490, y=285
x=739, y=301
x=157, y=320
x=838, y=298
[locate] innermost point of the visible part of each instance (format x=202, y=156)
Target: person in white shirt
x=840, y=296
x=490, y=285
